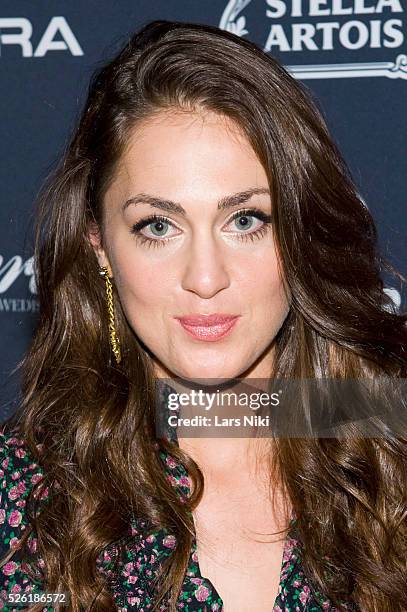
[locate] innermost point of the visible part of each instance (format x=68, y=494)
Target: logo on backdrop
x=339, y=26
x=57, y=27
x=16, y=268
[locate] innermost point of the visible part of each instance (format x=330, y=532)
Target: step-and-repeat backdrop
x=351, y=54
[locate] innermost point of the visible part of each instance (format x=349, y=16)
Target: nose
x=205, y=271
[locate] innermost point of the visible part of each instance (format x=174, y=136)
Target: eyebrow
x=168, y=205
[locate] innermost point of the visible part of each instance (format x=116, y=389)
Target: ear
x=95, y=239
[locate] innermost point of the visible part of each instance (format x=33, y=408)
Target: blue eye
x=244, y=218
x=245, y=224
x=159, y=227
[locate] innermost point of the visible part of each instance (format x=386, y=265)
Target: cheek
x=142, y=291
x=273, y=304
x=261, y=281
x=143, y=288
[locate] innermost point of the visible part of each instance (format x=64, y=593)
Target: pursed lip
x=200, y=320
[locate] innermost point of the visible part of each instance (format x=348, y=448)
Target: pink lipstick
x=209, y=328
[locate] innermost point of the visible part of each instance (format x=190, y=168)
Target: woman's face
x=196, y=172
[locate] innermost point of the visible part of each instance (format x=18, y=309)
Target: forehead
x=184, y=155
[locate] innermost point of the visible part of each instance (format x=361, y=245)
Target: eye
x=159, y=230
x=157, y=235
x=245, y=222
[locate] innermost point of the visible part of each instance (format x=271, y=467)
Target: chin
x=208, y=376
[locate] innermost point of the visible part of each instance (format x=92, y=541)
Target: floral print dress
x=132, y=583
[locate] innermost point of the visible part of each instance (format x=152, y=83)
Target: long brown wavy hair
x=90, y=423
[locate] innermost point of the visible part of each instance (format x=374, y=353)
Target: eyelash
x=252, y=212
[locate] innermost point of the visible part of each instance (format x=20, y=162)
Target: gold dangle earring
x=114, y=340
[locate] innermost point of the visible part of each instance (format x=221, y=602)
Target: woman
x=201, y=225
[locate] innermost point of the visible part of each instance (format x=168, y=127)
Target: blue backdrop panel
x=351, y=54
